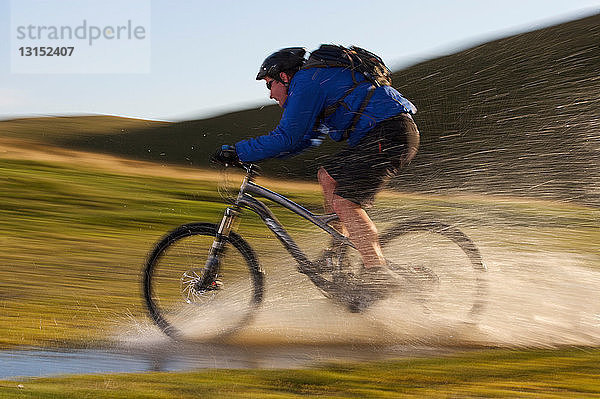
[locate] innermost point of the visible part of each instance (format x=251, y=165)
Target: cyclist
x=384, y=139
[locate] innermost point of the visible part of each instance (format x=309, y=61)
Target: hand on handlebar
x=226, y=155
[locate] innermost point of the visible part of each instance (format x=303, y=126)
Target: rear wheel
x=440, y=270
x=441, y=266
x=170, y=284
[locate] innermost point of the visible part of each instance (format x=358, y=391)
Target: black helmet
x=284, y=60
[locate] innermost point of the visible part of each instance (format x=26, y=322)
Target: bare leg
x=328, y=186
x=360, y=227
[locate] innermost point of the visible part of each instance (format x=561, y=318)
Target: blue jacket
x=312, y=90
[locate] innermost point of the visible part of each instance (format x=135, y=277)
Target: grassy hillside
x=56, y=130
x=513, y=116
x=516, y=115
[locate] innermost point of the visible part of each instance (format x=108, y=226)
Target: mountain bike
x=207, y=276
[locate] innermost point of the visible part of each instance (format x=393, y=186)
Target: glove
x=225, y=155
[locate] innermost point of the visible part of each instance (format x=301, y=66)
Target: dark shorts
x=362, y=170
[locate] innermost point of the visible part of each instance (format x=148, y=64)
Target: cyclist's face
x=278, y=89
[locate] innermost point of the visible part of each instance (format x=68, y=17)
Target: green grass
x=491, y=373
x=74, y=239
x=74, y=242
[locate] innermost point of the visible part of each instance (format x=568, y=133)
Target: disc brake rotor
x=190, y=282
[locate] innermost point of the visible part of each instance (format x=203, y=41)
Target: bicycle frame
x=333, y=274
x=247, y=201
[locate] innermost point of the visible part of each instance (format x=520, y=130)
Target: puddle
x=184, y=357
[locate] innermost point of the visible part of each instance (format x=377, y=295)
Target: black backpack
x=355, y=59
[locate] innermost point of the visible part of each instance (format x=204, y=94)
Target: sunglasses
x=270, y=83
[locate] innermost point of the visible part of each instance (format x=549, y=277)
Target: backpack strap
x=330, y=110
x=357, y=116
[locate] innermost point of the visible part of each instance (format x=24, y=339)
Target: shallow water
x=190, y=356
x=539, y=295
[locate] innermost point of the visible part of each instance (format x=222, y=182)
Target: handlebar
x=251, y=169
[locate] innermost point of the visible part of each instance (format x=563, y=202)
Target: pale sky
x=202, y=57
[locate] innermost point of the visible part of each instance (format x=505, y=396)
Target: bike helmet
x=284, y=60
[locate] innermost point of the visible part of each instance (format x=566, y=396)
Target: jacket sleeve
x=294, y=131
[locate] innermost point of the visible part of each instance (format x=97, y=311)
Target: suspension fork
x=223, y=231
x=211, y=267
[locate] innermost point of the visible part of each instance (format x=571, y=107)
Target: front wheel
x=172, y=293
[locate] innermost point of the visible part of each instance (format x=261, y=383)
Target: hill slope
x=516, y=115
x=61, y=129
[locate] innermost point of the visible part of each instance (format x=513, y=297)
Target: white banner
x=80, y=36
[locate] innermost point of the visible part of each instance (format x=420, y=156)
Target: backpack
x=355, y=59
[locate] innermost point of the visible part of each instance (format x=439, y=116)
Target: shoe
x=371, y=285
x=378, y=280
